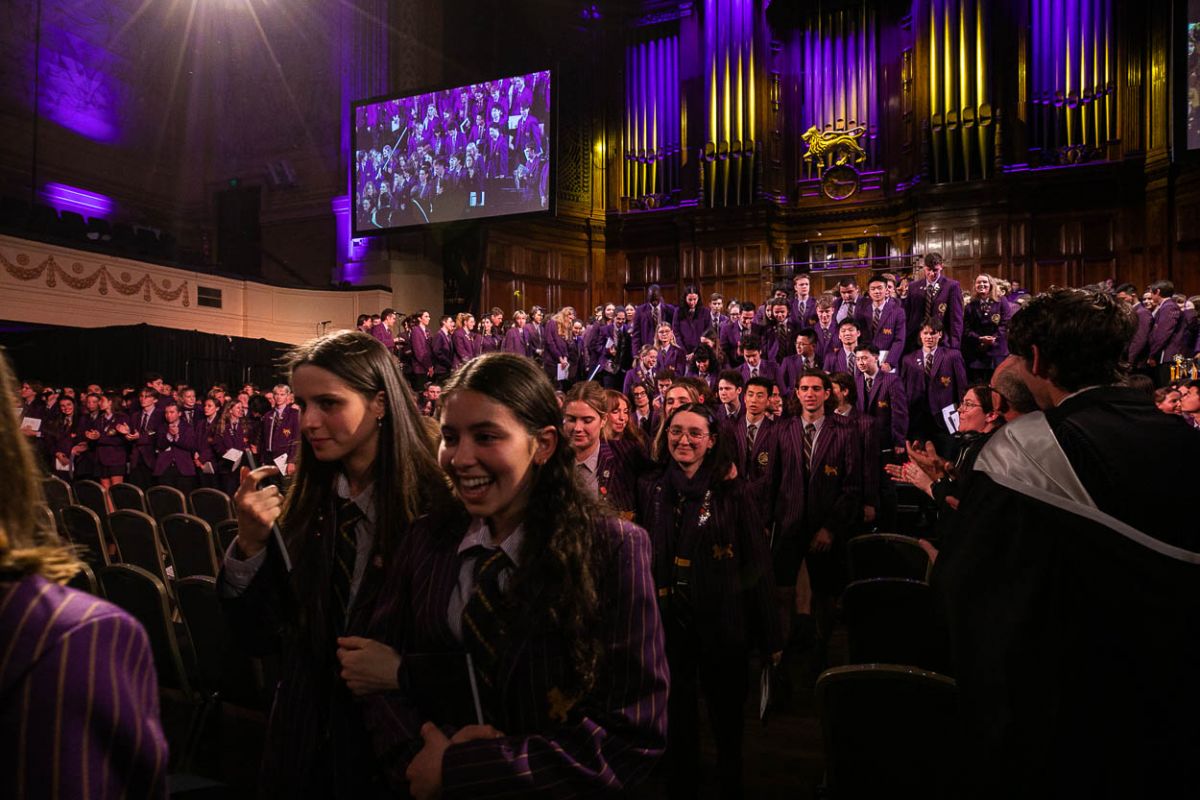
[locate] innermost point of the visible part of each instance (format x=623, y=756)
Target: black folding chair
x=46, y=522
x=84, y=530
x=190, y=543
x=887, y=555
x=889, y=731
x=163, y=501
x=137, y=537
x=211, y=505
x=222, y=669
x=890, y=621
x=145, y=597
x=226, y=533
x=57, y=493
x=127, y=496
x=91, y=494
x=85, y=581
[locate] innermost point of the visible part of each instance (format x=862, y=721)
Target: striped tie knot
x=345, y=554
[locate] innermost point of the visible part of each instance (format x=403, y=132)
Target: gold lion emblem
x=834, y=148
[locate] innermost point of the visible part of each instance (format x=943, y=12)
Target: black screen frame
x=551, y=209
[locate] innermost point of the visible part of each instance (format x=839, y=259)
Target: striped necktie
x=483, y=623
x=931, y=291
x=345, y=553
x=810, y=436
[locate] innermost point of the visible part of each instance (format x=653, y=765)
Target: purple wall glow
x=71, y=198
x=78, y=87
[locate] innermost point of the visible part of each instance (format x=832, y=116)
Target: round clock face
x=839, y=182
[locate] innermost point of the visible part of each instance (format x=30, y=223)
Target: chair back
x=127, y=496
x=91, y=494
x=136, y=534
x=83, y=529
x=85, y=581
x=145, y=598
x=220, y=666
x=890, y=621
x=190, y=544
x=226, y=533
x=45, y=522
x=889, y=731
x=887, y=555
x=163, y=501
x=211, y=505
x=57, y=493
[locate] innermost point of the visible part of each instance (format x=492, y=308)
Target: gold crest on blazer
x=831, y=470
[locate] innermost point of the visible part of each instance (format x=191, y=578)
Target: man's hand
x=822, y=541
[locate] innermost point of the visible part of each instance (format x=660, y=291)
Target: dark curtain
x=122, y=355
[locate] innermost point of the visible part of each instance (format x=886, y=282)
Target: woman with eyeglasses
x=712, y=571
x=980, y=414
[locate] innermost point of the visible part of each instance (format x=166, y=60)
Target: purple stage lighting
x=72, y=198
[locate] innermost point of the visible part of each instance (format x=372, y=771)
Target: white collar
x=365, y=500
x=479, y=533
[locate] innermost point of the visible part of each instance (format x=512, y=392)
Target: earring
x=379, y=421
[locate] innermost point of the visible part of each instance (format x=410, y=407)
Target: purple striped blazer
x=611, y=738
x=317, y=744
x=78, y=697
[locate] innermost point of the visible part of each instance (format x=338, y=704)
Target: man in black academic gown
x=1069, y=582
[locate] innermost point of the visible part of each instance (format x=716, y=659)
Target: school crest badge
x=888, y=331
x=882, y=403
x=763, y=458
x=946, y=381
x=995, y=319
x=721, y=552
x=287, y=431
x=831, y=470
x=941, y=308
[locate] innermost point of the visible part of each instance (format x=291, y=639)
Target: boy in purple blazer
x=1168, y=329
x=1139, y=345
x=175, y=445
x=650, y=315
x=383, y=331
x=826, y=330
x=143, y=432
x=279, y=432
x=842, y=358
x=885, y=324
x=755, y=366
x=421, y=365
x=734, y=331
x=803, y=306
x=850, y=303
x=804, y=357
x=934, y=377
x=819, y=497
x=936, y=297
x=441, y=350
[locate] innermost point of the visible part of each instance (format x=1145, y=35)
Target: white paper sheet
x=281, y=462
x=31, y=424
x=234, y=455
x=950, y=417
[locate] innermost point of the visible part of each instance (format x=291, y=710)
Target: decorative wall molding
x=49, y=284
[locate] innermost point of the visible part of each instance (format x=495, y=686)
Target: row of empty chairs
x=211, y=505
x=889, y=718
